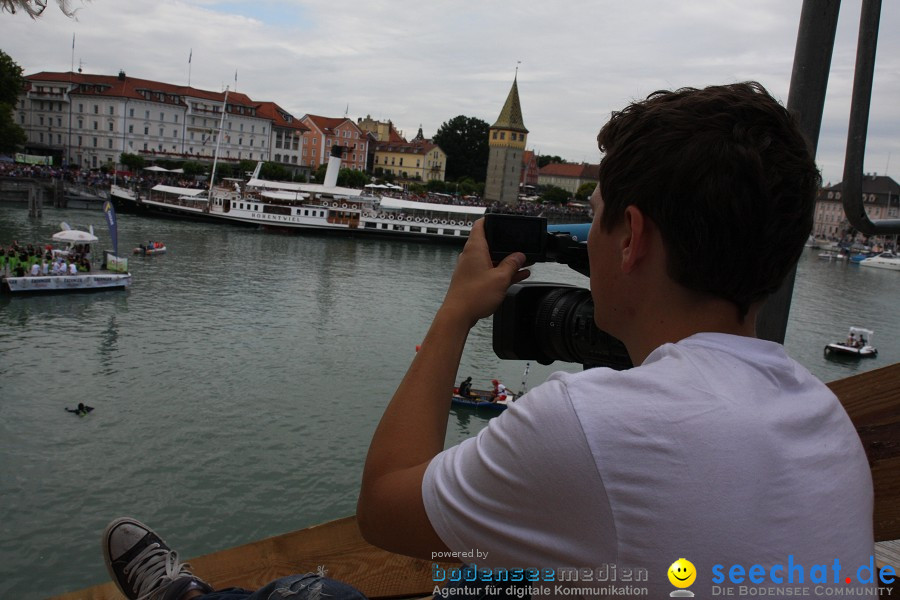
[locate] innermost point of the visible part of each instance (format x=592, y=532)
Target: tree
x=466, y=186
x=585, y=190
x=352, y=178
x=543, y=160
x=134, y=162
x=436, y=186
x=555, y=195
x=34, y=8
x=193, y=168
x=274, y=172
x=465, y=141
x=12, y=83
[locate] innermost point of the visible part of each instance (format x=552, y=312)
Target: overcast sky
x=424, y=63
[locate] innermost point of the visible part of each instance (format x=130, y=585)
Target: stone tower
x=507, y=145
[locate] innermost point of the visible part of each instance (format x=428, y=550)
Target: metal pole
x=854, y=159
x=806, y=101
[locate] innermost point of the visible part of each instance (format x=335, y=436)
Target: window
x=79, y=140
x=95, y=142
x=110, y=126
x=40, y=120
x=174, y=133
x=176, y=118
x=146, y=114
x=160, y=132
x=111, y=110
x=95, y=124
x=146, y=130
x=81, y=108
x=502, y=135
x=162, y=117
x=495, y=135
x=131, y=129
x=131, y=112
x=80, y=124
x=109, y=143
x=96, y=109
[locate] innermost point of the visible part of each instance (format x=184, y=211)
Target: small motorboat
x=150, y=249
x=885, y=260
x=858, y=344
x=480, y=400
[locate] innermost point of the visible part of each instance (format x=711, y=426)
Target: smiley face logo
x=682, y=573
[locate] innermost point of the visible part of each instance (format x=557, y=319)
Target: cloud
x=424, y=64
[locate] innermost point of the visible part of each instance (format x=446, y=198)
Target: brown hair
x=725, y=174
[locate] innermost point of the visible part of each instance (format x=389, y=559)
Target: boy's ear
x=635, y=239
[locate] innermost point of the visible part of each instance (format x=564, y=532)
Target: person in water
x=81, y=410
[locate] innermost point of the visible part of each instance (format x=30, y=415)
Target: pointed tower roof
x=511, y=115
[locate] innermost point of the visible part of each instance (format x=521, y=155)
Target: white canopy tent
x=74, y=236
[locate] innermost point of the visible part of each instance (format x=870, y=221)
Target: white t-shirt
x=719, y=449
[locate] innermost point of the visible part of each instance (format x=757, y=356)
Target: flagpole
x=190, y=56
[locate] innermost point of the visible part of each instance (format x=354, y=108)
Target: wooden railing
x=872, y=400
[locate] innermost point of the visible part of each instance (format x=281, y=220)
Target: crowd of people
x=146, y=180
x=37, y=261
x=95, y=179
x=551, y=211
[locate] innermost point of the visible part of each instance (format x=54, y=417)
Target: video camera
x=547, y=321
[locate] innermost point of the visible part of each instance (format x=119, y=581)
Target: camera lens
x=564, y=320
x=548, y=322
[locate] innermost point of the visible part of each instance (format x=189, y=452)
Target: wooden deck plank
x=337, y=546
x=872, y=400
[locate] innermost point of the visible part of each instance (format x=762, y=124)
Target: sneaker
x=143, y=565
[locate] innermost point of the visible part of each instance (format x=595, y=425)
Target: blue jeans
x=313, y=587
x=294, y=587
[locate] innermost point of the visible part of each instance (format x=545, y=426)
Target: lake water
x=238, y=383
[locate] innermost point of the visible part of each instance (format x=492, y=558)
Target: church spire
x=511, y=116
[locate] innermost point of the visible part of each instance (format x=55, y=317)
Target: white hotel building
x=90, y=120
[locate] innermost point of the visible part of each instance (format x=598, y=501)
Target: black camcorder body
x=546, y=322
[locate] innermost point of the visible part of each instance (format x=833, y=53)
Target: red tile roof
x=121, y=86
x=280, y=117
x=576, y=171
x=327, y=125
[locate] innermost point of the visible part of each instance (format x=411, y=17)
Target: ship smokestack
x=334, y=165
